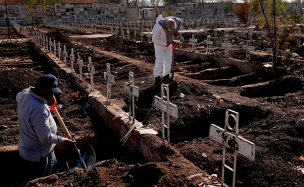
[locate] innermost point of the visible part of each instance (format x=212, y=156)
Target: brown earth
x=268, y=114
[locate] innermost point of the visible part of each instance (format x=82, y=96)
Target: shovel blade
x=89, y=157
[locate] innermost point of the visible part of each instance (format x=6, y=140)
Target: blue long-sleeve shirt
x=37, y=127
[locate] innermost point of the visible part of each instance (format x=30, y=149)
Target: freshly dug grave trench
x=120, y=169
x=79, y=117
x=277, y=87
x=257, y=130
x=4, y=34
x=267, y=125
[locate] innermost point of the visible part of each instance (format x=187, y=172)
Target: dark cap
x=49, y=82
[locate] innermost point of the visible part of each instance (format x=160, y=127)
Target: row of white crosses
x=122, y=34
x=81, y=27
x=43, y=41
x=135, y=24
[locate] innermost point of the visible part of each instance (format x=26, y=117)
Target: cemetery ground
x=268, y=106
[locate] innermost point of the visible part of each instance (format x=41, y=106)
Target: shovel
x=174, y=45
x=87, y=160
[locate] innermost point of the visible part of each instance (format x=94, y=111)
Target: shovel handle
x=53, y=107
x=174, y=45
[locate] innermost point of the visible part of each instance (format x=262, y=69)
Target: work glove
x=175, y=34
x=69, y=142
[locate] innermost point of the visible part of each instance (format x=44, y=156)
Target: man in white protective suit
x=163, y=34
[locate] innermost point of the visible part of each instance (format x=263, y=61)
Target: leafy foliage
x=34, y=8
x=242, y=11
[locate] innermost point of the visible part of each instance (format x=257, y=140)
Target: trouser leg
x=167, y=61
x=159, y=61
x=46, y=166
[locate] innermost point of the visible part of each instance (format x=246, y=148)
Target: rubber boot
x=157, y=81
x=166, y=79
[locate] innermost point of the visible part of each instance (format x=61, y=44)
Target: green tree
x=273, y=15
x=170, y=11
x=228, y=6
x=242, y=11
x=34, y=9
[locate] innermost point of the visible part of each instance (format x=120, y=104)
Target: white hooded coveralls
x=163, y=54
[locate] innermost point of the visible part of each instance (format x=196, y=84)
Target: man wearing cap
x=38, y=129
x=162, y=36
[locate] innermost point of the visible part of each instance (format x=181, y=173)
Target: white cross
x=72, y=57
x=226, y=45
x=133, y=91
x=128, y=33
x=91, y=69
x=232, y=141
x=59, y=51
x=251, y=33
x=166, y=107
x=51, y=44
x=80, y=64
x=248, y=48
x=116, y=31
x=141, y=35
x=193, y=40
x=65, y=54
x=54, y=46
x=181, y=40
x=122, y=34
x=134, y=35
x=299, y=35
x=208, y=42
x=43, y=41
x=149, y=35
x=215, y=31
x=110, y=80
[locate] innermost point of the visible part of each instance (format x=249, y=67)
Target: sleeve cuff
x=60, y=139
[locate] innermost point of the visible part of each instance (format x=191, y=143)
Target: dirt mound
x=58, y=37
x=14, y=80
